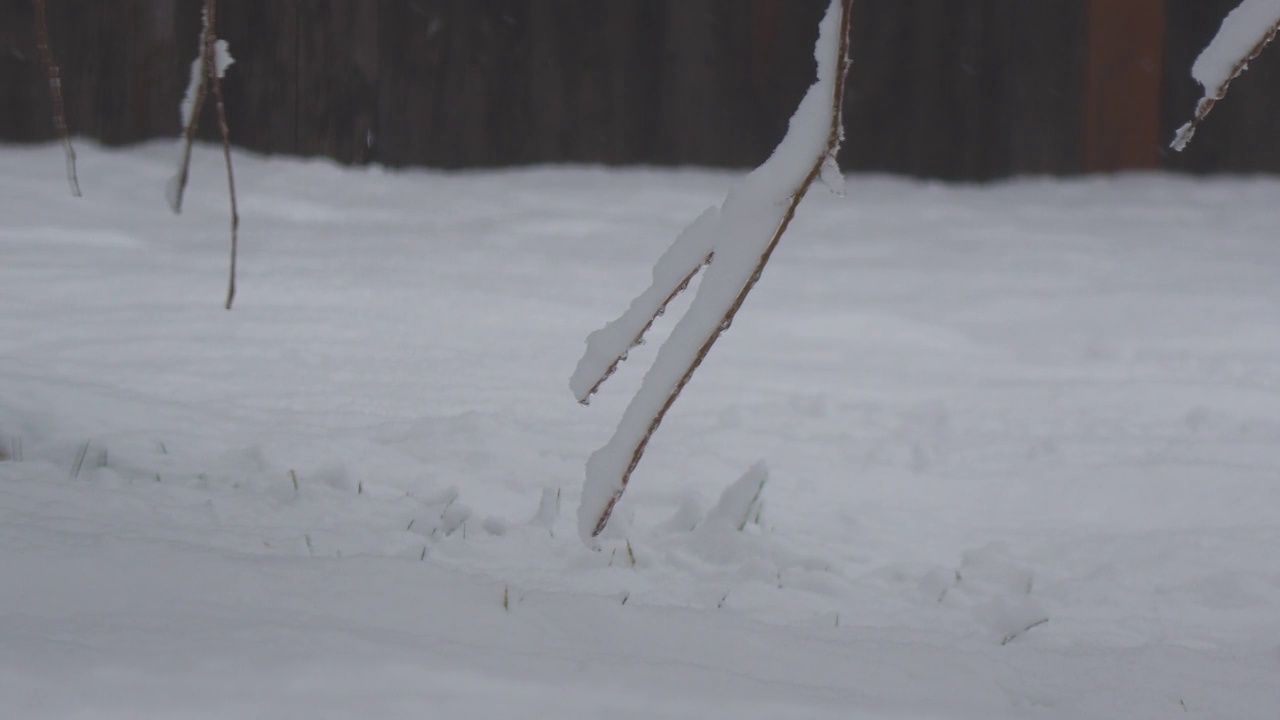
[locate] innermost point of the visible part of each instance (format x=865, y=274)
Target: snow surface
x=981, y=407
x=739, y=232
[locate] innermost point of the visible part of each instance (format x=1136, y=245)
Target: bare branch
x=55, y=95
x=584, y=396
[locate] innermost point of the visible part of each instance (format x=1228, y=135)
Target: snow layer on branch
x=1240, y=33
x=188, y=106
x=222, y=57
x=739, y=235
x=612, y=341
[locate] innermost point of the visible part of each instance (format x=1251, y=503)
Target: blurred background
x=970, y=90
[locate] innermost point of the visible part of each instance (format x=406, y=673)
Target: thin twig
x=834, y=136
x=198, y=77
x=216, y=79
x=55, y=95
x=1211, y=98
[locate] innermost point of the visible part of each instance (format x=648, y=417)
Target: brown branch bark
x=639, y=338
x=834, y=136
x=55, y=95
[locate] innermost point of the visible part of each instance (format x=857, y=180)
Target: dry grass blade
x=1211, y=98
x=198, y=77
x=55, y=95
x=78, y=462
x=1019, y=633
x=834, y=135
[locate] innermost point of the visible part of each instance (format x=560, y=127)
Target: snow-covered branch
x=735, y=242
x=608, y=346
x=1245, y=32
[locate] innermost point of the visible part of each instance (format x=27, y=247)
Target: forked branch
x=770, y=195
x=600, y=362
x=207, y=70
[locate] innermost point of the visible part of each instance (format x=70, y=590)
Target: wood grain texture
x=974, y=90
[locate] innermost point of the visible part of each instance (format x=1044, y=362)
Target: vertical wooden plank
x=160, y=75
x=707, y=111
x=1046, y=83
x=592, y=81
x=116, y=89
x=119, y=95
x=411, y=45
x=875, y=106
x=1122, y=84
x=929, y=92
x=636, y=91
x=25, y=113
x=982, y=96
x=336, y=86
x=261, y=89
x=783, y=65
x=454, y=87
x=76, y=32
x=954, y=90
x=96, y=45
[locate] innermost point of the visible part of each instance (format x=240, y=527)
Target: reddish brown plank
x=1122, y=104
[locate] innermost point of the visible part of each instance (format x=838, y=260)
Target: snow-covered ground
x=980, y=407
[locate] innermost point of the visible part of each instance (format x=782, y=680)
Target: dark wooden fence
x=958, y=90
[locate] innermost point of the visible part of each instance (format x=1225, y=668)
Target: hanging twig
x=611, y=467
x=587, y=380
x=55, y=95
x=215, y=77
x=206, y=70
x=192, y=103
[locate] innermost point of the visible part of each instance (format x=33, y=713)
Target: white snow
x=1243, y=30
x=981, y=407
x=604, y=346
x=739, y=231
x=740, y=504
x=188, y=105
x=222, y=57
